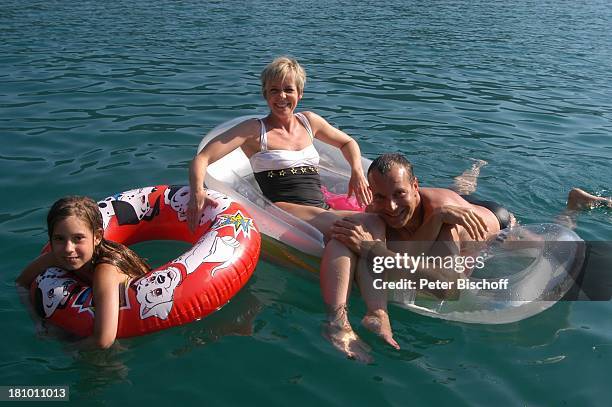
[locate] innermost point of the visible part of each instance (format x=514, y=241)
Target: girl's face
x=73, y=243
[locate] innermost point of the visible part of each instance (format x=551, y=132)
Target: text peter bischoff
x=413, y=264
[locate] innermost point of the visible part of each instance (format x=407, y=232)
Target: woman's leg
x=337, y=268
x=377, y=316
x=320, y=218
x=337, y=272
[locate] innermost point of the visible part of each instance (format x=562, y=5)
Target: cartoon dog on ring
x=177, y=196
x=155, y=293
x=53, y=291
x=130, y=207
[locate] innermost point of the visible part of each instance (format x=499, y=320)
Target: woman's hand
x=473, y=223
x=198, y=200
x=358, y=186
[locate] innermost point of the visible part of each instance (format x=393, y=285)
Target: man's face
x=396, y=197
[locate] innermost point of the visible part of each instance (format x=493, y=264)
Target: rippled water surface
x=101, y=97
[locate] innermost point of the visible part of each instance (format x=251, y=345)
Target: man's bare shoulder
x=440, y=196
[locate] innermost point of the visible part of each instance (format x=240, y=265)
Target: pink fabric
x=341, y=201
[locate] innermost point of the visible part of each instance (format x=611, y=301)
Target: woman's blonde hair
x=279, y=69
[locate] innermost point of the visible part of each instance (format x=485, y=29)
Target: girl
x=75, y=230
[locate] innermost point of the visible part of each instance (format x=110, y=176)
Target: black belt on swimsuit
x=503, y=216
x=300, y=185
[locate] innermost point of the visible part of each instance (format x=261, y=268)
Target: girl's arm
x=32, y=270
x=219, y=147
x=327, y=133
x=106, y=280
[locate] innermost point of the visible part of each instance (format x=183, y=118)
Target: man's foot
x=346, y=341
x=378, y=322
x=466, y=183
x=578, y=199
x=513, y=221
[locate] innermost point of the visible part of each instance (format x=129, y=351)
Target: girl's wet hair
x=86, y=210
x=279, y=69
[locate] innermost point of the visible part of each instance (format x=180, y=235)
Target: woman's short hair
x=279, y=69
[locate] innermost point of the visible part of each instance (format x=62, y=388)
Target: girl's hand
x=197, y=202
x=358, y=186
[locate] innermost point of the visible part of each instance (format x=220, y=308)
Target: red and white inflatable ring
x=225, y=251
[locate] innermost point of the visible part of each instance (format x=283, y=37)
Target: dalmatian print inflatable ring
x=224, y=254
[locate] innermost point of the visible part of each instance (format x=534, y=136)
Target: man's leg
x=466, y=183
x=577, y=200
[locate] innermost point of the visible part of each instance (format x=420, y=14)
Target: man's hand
x=352, y=234
x=473, y=223
x=197, y=202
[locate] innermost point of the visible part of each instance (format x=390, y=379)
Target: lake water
x=98, y=98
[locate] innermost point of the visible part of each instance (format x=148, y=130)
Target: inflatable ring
x=526, y=270
x=224, y=254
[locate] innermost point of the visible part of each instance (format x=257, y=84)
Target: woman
x=281, y=151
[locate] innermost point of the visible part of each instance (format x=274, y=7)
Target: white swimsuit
x=266, y=160
x=286, y=175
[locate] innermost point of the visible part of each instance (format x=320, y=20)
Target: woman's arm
x=327, y=133
x=32, y=270
x=219, y=147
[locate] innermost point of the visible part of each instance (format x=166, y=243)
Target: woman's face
x=282, y=96
x=72, y=243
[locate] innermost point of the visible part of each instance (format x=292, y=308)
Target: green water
x=97, y=98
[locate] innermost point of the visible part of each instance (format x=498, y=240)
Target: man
x=419, y=221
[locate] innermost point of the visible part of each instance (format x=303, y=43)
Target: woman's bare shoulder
x=249, y=127
x=312, y=116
